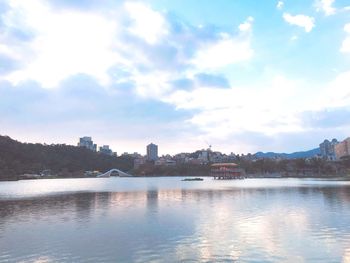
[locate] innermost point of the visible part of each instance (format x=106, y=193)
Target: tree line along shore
x=65, y=161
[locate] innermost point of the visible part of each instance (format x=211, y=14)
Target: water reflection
x=152, y=200
x=295, y=224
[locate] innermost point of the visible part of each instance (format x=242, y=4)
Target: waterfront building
x=327, y=149
x=106, y=150
x=342, y=149
x=226, y=171
x=87, y=143
x=152, y=152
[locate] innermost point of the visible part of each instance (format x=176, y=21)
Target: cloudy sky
x=241, y=75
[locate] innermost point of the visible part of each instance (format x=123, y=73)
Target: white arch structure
x=120, y=173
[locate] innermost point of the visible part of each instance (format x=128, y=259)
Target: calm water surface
x=167, y=220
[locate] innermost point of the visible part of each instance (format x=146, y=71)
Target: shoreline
x=249, y=176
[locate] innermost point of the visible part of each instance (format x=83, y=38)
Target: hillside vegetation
x=18, y=158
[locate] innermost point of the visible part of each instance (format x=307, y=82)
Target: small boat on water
x=193, y=179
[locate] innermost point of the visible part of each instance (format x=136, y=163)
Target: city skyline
x=330, y=150
x=239, y=75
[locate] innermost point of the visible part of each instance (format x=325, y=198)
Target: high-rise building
x=152, y=152
x=106, y=150
x=87, y=143
x=342, y=149
x=327, y=149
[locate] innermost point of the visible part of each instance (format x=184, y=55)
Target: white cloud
x=346, y=42
x=153, y=85
x=223, y=112
x=347, y=28
x=247, y=25
x=8, y=51
x=69, y=42
x=280, y=5
x=147, y=24
x=226, y=51
x=65, y=43
x=346, y=45
x=304, y=21
x=326, y=6
x=272, y=107
x=335, y=94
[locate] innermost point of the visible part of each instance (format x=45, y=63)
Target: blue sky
x=242, y=75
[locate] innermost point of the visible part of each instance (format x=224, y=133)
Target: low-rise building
x=204, y=156
x=181, y=158
x=165, y=162
x=218, y=157
x=139, y=161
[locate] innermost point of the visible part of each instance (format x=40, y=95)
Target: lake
x=167, y=220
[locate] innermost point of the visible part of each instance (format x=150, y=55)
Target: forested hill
x=18, y=158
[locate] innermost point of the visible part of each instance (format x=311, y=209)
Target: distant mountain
x=295, y=155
